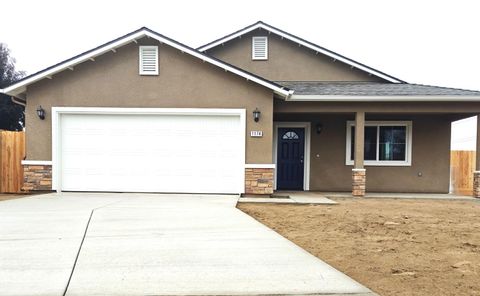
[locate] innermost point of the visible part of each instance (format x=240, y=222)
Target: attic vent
x=260, y=48
x=148, y=60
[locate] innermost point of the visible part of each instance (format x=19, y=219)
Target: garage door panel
x=152, y=153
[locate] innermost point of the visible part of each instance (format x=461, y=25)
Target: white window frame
x=266, y=48
x=408, y=139
x=140, y=60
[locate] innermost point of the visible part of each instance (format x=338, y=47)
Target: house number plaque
x=256, y=134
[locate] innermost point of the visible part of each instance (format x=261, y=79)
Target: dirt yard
x=394, y=247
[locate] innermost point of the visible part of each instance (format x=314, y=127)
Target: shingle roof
x=315, y=88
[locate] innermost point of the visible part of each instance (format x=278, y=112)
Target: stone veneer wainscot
x=258, y=180
x=359, y=180
x=37, y=177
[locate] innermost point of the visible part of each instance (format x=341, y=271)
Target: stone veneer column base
x=259, y=180
x=359, y=180
x=37, y=177
x=476, y=184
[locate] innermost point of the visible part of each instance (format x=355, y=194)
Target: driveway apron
x=151, y=244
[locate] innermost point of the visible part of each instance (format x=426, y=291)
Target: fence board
x=462, y=165
x=12, y=151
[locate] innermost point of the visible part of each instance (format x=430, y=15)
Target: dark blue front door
x=290, y=158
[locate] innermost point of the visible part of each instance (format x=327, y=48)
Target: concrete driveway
x=150, y=244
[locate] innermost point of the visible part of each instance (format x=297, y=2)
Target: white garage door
x=190, y=153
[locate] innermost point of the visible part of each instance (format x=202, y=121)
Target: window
x=148, y=60
x=290, y=136
x=386, y=143
x=260, y=48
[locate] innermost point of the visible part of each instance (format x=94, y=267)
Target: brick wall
x=258, y=180
x=37, y=177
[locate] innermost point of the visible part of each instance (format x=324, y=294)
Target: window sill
x=383, y=163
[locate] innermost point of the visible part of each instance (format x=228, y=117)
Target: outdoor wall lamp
x=319, y=128
x=256, y=114
x=41, y=112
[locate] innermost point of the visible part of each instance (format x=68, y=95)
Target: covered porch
x=393, y=142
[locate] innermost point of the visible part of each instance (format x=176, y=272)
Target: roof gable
x=302, y=42
x=20, y=86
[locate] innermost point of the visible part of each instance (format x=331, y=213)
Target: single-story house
x=252, y=112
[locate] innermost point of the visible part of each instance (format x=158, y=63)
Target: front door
x=290, y=158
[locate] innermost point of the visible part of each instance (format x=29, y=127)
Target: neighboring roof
x=302, y=42
x=373, y=91
x=20, y=86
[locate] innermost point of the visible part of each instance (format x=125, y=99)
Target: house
x=252, y=112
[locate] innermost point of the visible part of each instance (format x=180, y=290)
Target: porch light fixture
x=41, y=112
x=319, y=128
x=256, y=114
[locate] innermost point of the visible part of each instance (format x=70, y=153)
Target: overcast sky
x=428, y=42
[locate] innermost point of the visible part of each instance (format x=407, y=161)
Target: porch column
x=476, y=173
x=359, y=176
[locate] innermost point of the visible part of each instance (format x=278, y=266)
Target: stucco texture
x=286, y=61
x=430, y=155
x=113, y=80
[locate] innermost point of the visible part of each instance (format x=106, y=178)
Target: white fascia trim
x=303, y=43
x=260, y=166
x=431, y=98
x=36, y=162
x=21, y=86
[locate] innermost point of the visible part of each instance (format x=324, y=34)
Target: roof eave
x=339, y=98
x=20, y=87
x=303, y=43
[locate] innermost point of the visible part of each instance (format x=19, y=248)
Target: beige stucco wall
x=430, y=155
x=112, y=80
x=286, y=61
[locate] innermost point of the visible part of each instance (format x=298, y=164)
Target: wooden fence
x=12, y=151
x=462, y=165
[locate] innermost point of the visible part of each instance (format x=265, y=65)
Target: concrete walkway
x=146, y=244
x=292, y=197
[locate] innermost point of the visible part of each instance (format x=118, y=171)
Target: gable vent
x=260, y=48
x=148, y=60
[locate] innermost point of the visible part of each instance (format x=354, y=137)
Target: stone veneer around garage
x=37, y=177
x=258, y=180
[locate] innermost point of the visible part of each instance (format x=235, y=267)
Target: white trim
x=259, y=165
x=140, y=60
x=358, y=170
x=306, y=163
x=57, y=112
x=36, y=162
x=339, y=98
x=264, y=58
x=406, y=162
x=302, y=43
x=21, y=86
